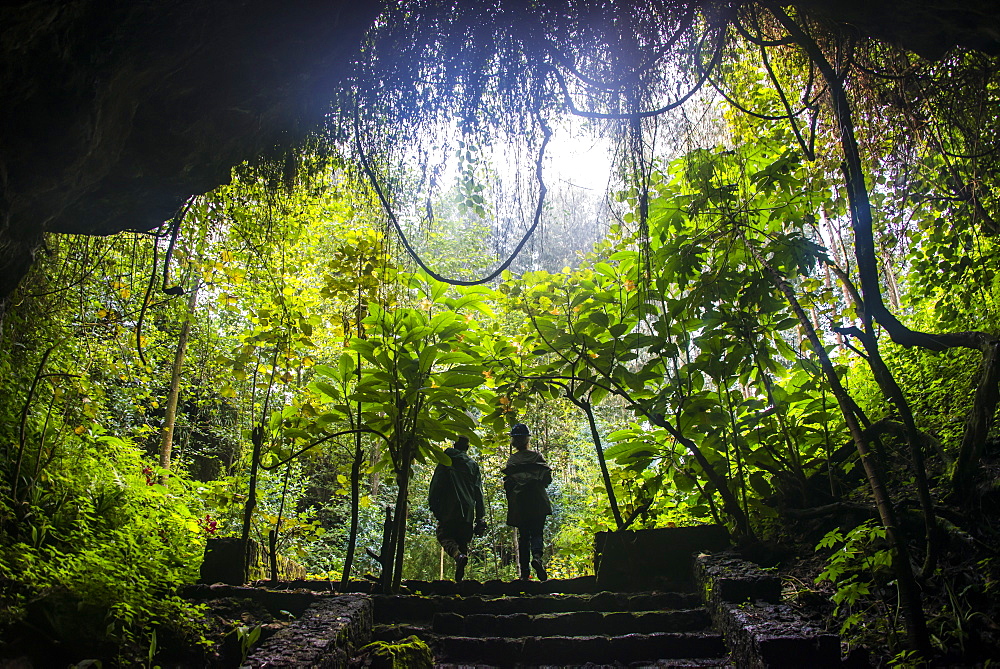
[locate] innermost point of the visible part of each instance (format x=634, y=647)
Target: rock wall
x=762, y=633
x=657, y=559
x=115, y=112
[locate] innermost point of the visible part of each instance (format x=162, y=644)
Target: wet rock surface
x=581, y=585
x=279, y=603
x=761, y=632
x=577, y=623
x=579, y=650
x=327, y=634
x=729, y=578
x=403, y=607
x=677, y=663
x=775, y=635
x=731, y=615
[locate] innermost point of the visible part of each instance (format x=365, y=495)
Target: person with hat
x=456, y=500
x=525, y=478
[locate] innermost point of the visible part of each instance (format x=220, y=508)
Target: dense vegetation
x=788, y=326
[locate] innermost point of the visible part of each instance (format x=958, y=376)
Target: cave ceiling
x=114, y=113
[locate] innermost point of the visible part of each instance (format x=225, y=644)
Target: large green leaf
x=326, y=389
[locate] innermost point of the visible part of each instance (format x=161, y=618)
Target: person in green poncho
x=456, y=500
x=525, y=478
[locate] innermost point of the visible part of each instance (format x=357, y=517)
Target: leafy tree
x=423, y=379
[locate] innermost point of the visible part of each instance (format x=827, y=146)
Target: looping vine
x=391, y=214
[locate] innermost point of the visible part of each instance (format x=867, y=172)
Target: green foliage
x=693, y=339
x=859, y=561
x=907, y=658
x=104, y=548
x=421, y=374
x=248, y=636
x=99, y=546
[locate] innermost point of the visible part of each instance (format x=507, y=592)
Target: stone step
x=396, y=632
x=577, y=623
x=399, y=608
x=678, y=663
x=571, y=586
x=577, y=650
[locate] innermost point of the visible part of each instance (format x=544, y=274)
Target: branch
x=363, y=430
x=175, y=226
x=759, y=41
x=748, y=112
x=542, y=190
x=716, y=58
x=562, y=60
x=639, y=510
x=909, y=595
x=861, y=212
x=831, y=509
x=16, y=472
x=806, y=150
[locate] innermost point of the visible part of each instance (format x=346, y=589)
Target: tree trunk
x=980, y=420
x=272, y=536
x=586, y=406
x=258, y=439
x=173, y=394
x=352, y=539
x=392, y=555
x=402, y=515
x=894, y=394
x=359, y=454
x=909, y=593
x=987, y=394
x=272, y=554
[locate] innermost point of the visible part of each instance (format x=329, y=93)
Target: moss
x=410, y=653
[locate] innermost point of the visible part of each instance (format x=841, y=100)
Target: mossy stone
x=410, y=653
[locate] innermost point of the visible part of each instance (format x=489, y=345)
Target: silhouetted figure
x=456, y=500
x=525, y=478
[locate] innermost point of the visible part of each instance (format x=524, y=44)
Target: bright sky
x=580, y=158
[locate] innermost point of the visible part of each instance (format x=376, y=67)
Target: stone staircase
x=551, y=624
x=669, y=597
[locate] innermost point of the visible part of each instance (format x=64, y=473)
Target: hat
x=520, y=430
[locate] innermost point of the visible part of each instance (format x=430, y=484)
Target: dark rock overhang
x=114, y=113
